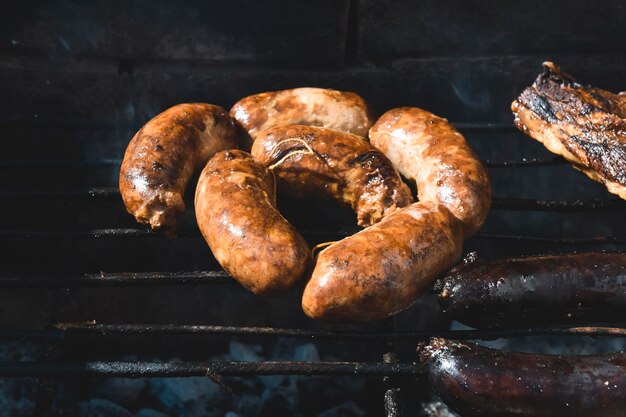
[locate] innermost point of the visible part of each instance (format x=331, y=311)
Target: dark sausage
x=544, y=290
x=477, y=381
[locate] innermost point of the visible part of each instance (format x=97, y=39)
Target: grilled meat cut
x=585, y=125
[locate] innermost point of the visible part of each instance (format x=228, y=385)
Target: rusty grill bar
x=60, y=331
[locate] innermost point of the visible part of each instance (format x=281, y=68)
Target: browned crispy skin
x=537, y=290
x=482, y=382
x=383, y=269
x=237, y=215
x=585, y=125
x=333, y=109
x=430, y=151
x=163, y=155
x=315, y=161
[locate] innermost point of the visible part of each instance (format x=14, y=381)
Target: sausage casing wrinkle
x=314, y=161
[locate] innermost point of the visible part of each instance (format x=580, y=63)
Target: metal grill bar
x=121, y=233
x=62, y=330
x=118, y=279
x=525, y=162
x=558, y=206
x=554, y=240
x=217, y=368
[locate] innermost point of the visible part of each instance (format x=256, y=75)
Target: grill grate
x=389, y=368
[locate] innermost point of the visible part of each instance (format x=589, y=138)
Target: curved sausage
x=163, y=155
x=429, y=150
x=553, y=289
x=314, y=161
x=237, y=215
x=478, y=381
x=383, y=269
x=322, y=107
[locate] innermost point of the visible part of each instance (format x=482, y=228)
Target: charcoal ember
x=436, y=409
x=149, y=412
x=287, y=389
x=17, y=396
x=319, y=393
x=121, y=390
x=280, y=401
x=306, y=353
x=19, y=351
x=202, y=410
x=245, y=353
x=98, y=407
x=246, y=404
x=176, y=395
x=347, y=409
x=271, y=382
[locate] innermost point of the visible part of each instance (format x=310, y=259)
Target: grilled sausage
x=333, y=109
x=237, y=215
x=163, y=155
x=383, y=269
x=315, y=161
x=554, y=289
x=478, y=381
x=429, y=150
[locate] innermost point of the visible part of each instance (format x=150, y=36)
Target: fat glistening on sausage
x=164, y=154
x=237, y=215
x=386, y=267
x=482, y=382
x=430, y=151
x=537, y=290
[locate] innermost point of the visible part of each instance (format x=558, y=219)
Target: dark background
x=78, y=78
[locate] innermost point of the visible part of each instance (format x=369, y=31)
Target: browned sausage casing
x=163, y=155
x=429, y=150
x=314, y=161
x=383, y=269
x=477, y=381
x=237, y=215
x=333, y=109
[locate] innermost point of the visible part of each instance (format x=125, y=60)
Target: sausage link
x=383, y=269
x=237, y=215
x=163, y=155
x=553, y=289
x=333, y=109
x=477, y=381
x=315, y=161
x=430, y=151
